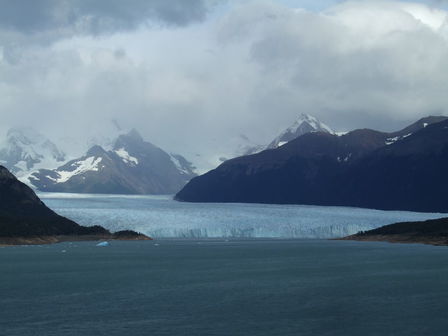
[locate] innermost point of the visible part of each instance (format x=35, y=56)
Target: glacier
x=162, y=217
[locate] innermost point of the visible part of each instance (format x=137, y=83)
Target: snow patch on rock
x=390, y=141
x=89, y=164
x=126, y=157
x=178, y=165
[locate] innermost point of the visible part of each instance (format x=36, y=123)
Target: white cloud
x=195, y=89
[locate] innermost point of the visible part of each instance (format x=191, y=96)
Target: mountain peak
x=134, y=135
x=130, y=139
x=312, y=121
x=26, y=149
x=96, y=150
x=25, y=135
x=305, y=123
x=133, y=166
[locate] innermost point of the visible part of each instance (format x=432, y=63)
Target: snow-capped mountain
x=304, y=124
x=403, y=170
x=76, y=145
x=26, y=150
x=132, y=166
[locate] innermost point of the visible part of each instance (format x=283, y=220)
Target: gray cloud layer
x=378, y=64
x=95, y=16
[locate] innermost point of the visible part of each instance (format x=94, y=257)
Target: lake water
x=224, y=287
x=161, y=217
x=229, y=282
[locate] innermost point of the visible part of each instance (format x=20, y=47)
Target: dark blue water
x=252, y=287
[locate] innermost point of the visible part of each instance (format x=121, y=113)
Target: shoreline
x=399, y=239
x=45, y=240
x=429, y=232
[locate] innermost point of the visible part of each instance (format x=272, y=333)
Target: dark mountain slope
x=293, y=173
x=418, y=125
x=411, y=174
x=25, y=219
x=362, y=168
x=23, y=214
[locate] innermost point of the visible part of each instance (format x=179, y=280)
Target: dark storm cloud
x=95, y=16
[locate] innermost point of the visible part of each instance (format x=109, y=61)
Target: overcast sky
x=192, y=75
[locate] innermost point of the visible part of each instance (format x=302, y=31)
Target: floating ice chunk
x=103, y=244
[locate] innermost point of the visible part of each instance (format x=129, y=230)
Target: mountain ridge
x=26, y=149
x=325, y=169
x=132, y=166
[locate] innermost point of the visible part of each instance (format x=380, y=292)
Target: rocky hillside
x=23, y=214
x=25, y=219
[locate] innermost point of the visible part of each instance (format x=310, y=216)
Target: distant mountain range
x=123, y=163
x=313, y=160
x=404, y=170
x=132, y=166
x=127, y=165
x=26, y=150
